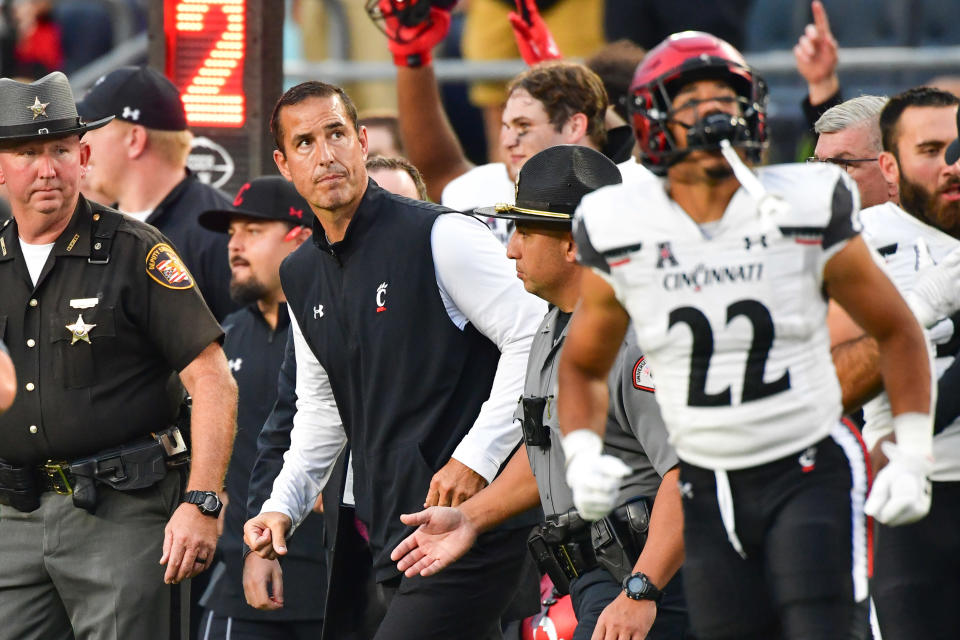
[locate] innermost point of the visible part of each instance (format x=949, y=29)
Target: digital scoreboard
x=226, y=59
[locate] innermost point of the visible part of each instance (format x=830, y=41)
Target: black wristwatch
x=207, y=501
x=637, y=586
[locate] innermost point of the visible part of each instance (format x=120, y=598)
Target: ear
x=569, y=248
x=84, y=157
x=364, y=143
x=575, y=128
x=280, y=159
x=135, y=141
x=889, y=167
x=302, y=236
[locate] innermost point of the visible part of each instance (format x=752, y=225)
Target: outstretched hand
x=442, y=536
x=817, y=58
x=533, y=36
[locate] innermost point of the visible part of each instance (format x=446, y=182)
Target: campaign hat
x=264, y=198
x=552, y=182
x=41, y=109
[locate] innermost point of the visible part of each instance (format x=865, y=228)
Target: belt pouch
x=535, y=433
x=19, y=488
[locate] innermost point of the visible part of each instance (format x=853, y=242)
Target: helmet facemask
x=651, y=111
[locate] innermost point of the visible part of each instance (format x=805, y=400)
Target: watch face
x=210, y=502
x=636, y=584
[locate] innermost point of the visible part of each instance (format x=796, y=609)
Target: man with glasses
x=849, y=137
x=919, y=240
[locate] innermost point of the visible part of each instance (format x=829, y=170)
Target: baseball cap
x=266, y=198
x=552, y=182
x=953, y=150
x=139, y=95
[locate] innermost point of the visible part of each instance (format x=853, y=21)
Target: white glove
x=593, y=477
x=901, y=491
x=936, y=290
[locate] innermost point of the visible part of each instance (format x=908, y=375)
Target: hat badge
x=38, y=108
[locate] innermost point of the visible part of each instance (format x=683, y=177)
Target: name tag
x=84, y=303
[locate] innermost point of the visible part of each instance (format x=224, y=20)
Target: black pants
x=593, y=591
x=217, y=627
x=467, y=599
x=916, y=581
x=803, y=534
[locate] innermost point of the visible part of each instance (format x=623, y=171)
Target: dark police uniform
x=203, y=250
x=255, y=352
x=635, y=434
x=97, y=344
x=408, y=385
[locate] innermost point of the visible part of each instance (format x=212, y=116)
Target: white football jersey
x=732, y=321
x=893, y=233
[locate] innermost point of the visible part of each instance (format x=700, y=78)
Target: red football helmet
x=680, y=59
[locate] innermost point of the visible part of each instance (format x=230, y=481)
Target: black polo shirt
x=204, y=251
x=140, y=320
x=255, y=352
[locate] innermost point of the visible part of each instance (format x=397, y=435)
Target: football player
x=725, y=272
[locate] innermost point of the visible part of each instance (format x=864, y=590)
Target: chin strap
x=768, y=204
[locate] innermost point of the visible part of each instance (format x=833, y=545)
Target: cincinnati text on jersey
x=703, y=276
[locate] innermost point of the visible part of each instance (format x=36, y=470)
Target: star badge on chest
x=80, y=330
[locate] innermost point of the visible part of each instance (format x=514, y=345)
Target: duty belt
x=136, y=465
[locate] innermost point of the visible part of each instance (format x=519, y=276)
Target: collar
x=171, y=198
x=363, y=218
x=283, y=317
x=72, y=241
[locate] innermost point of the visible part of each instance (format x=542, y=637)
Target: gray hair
x=863, y=110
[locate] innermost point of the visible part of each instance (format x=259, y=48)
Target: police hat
x=41, y=109
x=139, y=95
x=552, y=182
x=953, y=151
x=266, y=198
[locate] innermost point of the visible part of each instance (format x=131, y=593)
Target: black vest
x=408, y=383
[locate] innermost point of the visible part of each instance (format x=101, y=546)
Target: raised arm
x=429, y=140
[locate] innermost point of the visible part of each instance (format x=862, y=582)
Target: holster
x=618, y=538
x=561, y=548
x=19, y=487
x=535, y=433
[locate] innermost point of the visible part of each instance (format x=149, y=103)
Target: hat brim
x=219, y=219
x=513, y=212
x=59, y=133
x=953, y=152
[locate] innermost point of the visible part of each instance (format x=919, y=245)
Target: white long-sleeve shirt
x=478, y=285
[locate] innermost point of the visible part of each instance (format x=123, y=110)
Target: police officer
x=100, y=315
x=265, y=225
x=411, y=336
x=139, y=162
x=8, y=379
x=609, y=584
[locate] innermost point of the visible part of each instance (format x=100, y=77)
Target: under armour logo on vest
x=318, y=311
x=235, y=364
x=130, y=114
x=762, y=241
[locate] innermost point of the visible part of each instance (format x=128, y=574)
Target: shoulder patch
x=166, y=267
x=642, y=376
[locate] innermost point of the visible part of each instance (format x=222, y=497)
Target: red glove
x=412, y=46
x=533, y=36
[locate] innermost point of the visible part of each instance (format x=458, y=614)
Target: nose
x=46, y=168
x=235, y=243
x=324, y=154
x=513, y=247
x=508, y=138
